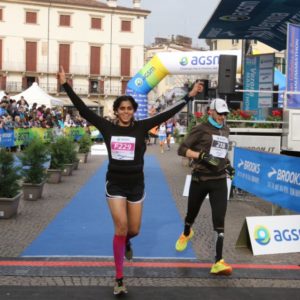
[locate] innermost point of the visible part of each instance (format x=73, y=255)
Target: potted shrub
x=85, y=143
x=69, y=155
x=10, y=187
x=33, y=158
x=57, y=161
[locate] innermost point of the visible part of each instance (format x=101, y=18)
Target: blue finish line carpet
x=84, y=227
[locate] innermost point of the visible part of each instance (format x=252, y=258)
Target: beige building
x=99, y=44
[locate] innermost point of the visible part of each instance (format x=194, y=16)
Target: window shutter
x=31, y=17
x=31, y=56
x=95, y=60
x=125, y=62
x=125, y=25
x=64, y=57
x=96, y=23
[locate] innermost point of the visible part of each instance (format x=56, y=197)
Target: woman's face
x=125, y=113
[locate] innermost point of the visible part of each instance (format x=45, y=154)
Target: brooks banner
x=293, y=66
x=272, y=177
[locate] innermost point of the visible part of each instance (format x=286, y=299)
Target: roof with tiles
x=89, y=3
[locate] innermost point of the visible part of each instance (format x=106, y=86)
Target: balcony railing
x=16, y=66
x=15, y=87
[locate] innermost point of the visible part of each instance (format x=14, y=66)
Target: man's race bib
x=122, y=147
x=219, y=146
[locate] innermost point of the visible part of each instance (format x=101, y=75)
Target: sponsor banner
x=258, y=76
x=293, y=65
x=274, y=234
x=251, y=82
x=22, y=136
x=196, y=62
x=6, y=138
x=272, y=177
x=267, y=143
x=263, y=20
x=75, y=132
x=164, y=63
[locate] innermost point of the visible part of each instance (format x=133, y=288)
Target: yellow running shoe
x=120, y=287
x=183, y=240
x=221, y=268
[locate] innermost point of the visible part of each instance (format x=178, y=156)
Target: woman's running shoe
x=128, y=251
x=120, y=287
x=221, y=268
x=183, y=240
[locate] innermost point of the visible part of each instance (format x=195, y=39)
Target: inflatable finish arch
x=164, y=63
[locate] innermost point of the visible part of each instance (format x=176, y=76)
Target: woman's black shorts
x=133, y=191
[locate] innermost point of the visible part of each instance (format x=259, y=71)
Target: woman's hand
x=62, y=76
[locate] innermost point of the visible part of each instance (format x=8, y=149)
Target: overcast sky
x=183, y=17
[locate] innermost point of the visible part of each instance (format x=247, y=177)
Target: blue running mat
x=84, y=227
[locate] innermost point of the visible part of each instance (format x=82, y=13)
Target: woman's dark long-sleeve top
x=201, y=139
x=125, y=145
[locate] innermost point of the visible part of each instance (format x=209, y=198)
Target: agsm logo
x=262, y=235
x=184, y=61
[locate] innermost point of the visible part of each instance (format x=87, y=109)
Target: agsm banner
x=272, y=177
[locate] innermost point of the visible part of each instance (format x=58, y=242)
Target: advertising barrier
x=271, y=234
x=272, y=177
x=21, y=136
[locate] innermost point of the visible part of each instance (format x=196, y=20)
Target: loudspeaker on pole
x=227, y=74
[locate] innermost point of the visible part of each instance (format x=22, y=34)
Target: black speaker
x=227, y=74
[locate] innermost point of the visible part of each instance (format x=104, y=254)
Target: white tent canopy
x=2, y=94
x=35, y=94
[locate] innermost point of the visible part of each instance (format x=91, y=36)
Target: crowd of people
x=19, y=114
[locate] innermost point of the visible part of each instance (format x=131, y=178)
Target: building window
x=125, y=25
x=96, y=23
x=65, y=20
x=31, y=17
x=1, y=14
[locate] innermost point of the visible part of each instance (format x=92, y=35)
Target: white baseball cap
x=219, y=105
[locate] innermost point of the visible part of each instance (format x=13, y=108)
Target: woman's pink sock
x=119, y=251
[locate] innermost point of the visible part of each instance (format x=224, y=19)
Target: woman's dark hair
x=120, y=99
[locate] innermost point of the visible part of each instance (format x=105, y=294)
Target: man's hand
x=230, y=170
x=209, y=159
x=62, y=76
x=197, y=88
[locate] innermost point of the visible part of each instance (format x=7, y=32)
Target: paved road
x=17, y=233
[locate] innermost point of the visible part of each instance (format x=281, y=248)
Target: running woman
x=207, y=145
x=126, y=146
x=162, y=135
